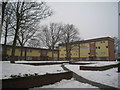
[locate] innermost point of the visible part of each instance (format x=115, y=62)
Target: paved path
x=84, y=80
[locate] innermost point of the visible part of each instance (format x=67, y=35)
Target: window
x=92, y=47
x=96, y=53
x=92, y=42
x=72, y=49
x=83, y=54
x=39, y=51
x=44, y=51
x=21, y=50
x=87, y=48
x=102, y=41
x=103, y=53
x=8, y=49
x=75, y=54
x=106, y=46
x=62, y=54
x=98, y=47
x=55, y=52
x=29, y=50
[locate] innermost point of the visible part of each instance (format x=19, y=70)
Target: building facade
x=94, y=49
x=31, y=53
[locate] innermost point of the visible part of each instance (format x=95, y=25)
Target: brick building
x=93, y=49
x=29, y=53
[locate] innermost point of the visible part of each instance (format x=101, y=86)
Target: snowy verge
x=9, y=69
x=107, y=77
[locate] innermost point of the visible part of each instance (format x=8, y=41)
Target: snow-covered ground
x=9, y=69
x=107, y=77
x=66, y=84
x=38, y=61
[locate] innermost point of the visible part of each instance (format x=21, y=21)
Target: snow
x=107, y=77
x=9, y=69
x=38, y=61
x=66, y=84
x=99, y=63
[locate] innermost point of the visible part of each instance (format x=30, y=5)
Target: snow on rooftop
x=107, y=77
x=66, y=84
x=9, y=69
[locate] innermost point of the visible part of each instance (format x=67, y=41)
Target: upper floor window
x=102, y=41
x=92, y=42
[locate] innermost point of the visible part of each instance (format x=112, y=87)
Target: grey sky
x=93, y=19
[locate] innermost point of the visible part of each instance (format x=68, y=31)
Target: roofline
x=89, y=40
x=30, y=48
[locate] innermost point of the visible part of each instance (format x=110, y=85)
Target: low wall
x=35, y=81
x=98, y=68
x=47, y=63
x=80, y=63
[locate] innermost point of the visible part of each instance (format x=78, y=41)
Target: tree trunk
x=3, y=11
x=21, y=54
x=16, y=33
x=53, y=53
x=68, y=54
x=5, y=48
x=13, y=48
x=25, y=53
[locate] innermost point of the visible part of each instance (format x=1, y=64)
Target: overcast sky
x=93, y=19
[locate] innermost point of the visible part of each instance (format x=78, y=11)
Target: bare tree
x=34, y=42
x=24, y=15
x=6, y=27
x=4, y=4
x=116, y=42
x=25, y=34
x=51, y=35
x=71, y=34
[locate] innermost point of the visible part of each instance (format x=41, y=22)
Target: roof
x=31, y=48
x=89, y=40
